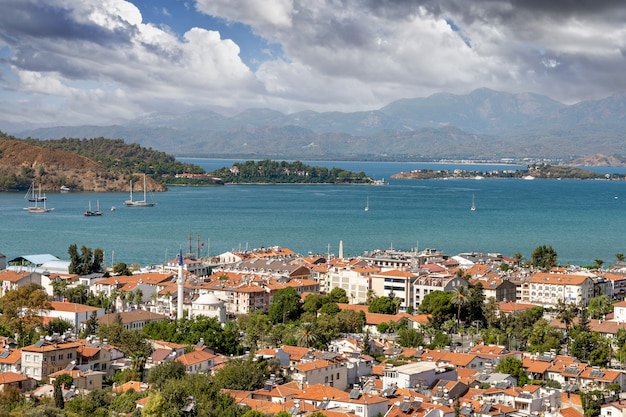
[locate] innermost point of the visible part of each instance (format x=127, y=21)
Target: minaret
x=181, y=291
x=341, y=249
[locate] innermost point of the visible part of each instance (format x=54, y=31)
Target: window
x=27, y=358
x=61, y=357
x=337, y=375
x=69, y=355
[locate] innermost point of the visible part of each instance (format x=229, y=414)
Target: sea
x=582, y=220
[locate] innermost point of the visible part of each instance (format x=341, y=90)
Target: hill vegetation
x=268, y=171
x=83, y=164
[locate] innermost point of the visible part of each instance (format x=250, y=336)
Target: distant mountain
x=484, y=124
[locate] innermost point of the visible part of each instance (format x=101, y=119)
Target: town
x=268, y=332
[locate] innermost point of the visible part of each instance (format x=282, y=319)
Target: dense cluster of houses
x=341, y=380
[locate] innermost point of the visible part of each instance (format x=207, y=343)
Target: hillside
x=21, y=163
x=484, y=124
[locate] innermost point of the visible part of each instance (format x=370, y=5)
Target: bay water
x=581, y=220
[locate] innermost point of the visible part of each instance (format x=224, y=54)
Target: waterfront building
x=548, y=288
x=398, y=283
x=425, y=284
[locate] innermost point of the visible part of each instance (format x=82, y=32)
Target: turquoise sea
x=582, y=220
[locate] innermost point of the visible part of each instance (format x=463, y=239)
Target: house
x=336, y=401
x=423, y=374
x=16, y=380
x=12, y=280
x=618, y=284
x=48, y=356
x=321, y=371
x=10, y=360
x=614, y=409
x=73, y=313
x=197, y=361
x=355, y=280
x=131, y=320
x=83, y=380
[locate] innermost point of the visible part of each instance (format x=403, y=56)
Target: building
x=548, y=288
x=418, y=374
x=48, y=356
x=208, y=305
x=73, y=313
x=396, y=282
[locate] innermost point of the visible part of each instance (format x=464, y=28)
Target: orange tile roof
x=72, y=307
x=11, y=377
x=534, y=366
x=557, y=279
x=570, y=412
x=397, y=274
x=511, y=306
x=14, y=356
x=195, y=357
x=12, y=276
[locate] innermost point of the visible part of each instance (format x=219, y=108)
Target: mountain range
x=482, y=125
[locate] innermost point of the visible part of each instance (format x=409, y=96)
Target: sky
x=68, y=62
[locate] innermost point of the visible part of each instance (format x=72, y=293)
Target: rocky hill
x=21, y=163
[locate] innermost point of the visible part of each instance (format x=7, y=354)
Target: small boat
x=113, y=208
x=473, y=208
x=37, y=198
x=32, y=197
x=367, y=204
x=65, y=189
x=89, y=212
x=139, y=203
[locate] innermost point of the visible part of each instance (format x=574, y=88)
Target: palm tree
x=620, y=257
x=459, y=299
x=306, y=336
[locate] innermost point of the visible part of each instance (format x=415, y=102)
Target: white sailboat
x=36, y=198
x=473, y=208
x=367, y=203
x=139, y=203
x=32, y=197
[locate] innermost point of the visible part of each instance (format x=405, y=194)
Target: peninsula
x=534, y=171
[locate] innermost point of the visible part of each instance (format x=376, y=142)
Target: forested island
x=273, y=172
x=534, y=171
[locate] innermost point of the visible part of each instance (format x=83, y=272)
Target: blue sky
x=67, y=62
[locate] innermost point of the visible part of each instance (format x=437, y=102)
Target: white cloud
x=96, y=60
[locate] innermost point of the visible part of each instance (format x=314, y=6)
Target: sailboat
x=367, y=204
x=473, y=208
x=138, y=203
x=30, y=194
x=90, y=213
x=37, y=198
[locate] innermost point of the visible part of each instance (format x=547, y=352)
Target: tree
x=598, y=263
x=566, y=312
x=21, y=311
x=86, y=262
x=338, y=295
x=306, y=335
x=599, y=307
x=459, y=299
x=513, y=366
x=122, y=269
x=383, y=305
x=439, y=305
x=285, y=306
x=57, y=325
x=241, y=374
x=410, y=338
x=544, y=257
x=59, y=401
x=161, y=373
x=619, y=257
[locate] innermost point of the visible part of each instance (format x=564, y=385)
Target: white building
x=210, y=306
x=548, y=288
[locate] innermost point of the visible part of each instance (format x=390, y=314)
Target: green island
x=534, y=171
x=273, y=172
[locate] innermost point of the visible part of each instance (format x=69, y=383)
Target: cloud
x=98, y=60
